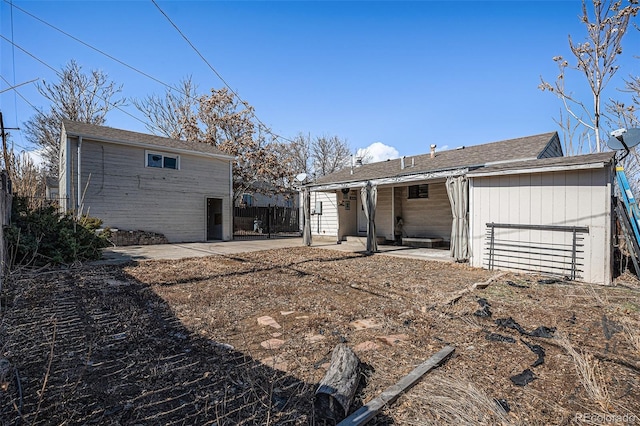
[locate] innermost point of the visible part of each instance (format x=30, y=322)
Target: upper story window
x=162, y=160
x=419, y=191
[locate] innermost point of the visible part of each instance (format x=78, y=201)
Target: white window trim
x=163, y=155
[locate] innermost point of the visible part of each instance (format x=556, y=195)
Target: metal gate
x=266, y=222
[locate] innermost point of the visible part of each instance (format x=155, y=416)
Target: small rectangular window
x=419, y=191
x=163, y=161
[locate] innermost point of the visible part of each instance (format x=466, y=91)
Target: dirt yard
x=246, y=339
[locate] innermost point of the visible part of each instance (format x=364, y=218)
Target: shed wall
x=125, y=194
x=567, y=198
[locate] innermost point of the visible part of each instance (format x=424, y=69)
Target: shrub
x=44, y=236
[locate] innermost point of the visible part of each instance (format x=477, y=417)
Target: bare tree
x=595, y=59
x=167, y=115
x=329, y=154
x=299, y=151
x=222, y=120
x=76, y=96
x=27, y=179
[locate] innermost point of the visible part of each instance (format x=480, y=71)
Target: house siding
x=567, y=198
x=125, y=194
x=427, y=217
x=325, y=224
x=384, y=216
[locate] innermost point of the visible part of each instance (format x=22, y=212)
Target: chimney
x=358, y=161
x=433, y=151
x=413, y=161
x=402, y=163
x=351, y=163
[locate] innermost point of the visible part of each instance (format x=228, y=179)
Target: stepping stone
x=393, y=339
x=272, y=344
x=366, y=346
x=364, y=324
x=267, y=320
x=315, y=338
x=277, y=363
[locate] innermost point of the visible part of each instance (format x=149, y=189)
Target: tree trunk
x=339, y=385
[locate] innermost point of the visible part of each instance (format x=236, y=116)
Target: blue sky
x=405, y=74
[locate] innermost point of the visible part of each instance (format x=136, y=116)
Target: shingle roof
x=578, y=160
x=103, y=133
x=526, y=148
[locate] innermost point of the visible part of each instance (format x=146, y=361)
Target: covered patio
x=419, y=211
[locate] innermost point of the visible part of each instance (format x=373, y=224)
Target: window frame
x=163, y=156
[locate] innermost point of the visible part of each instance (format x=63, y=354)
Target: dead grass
x=452, y=399
x=590, y=373
x=191, y=349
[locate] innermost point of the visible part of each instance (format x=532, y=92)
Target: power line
x=216, y=72
x=14, y=88
x=95, y=48
x=60, y=76
x=14, y=45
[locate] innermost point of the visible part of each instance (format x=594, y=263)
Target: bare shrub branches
x=596, y=59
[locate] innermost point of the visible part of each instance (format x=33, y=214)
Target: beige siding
x=127, y=195
x=384, y=216
x=570, y=198
x=348, y=214
x=430, y=217
x=325, y=224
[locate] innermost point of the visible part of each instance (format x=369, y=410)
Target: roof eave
x=149, y=146
x=543, y=169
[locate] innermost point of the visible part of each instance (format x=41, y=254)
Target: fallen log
x=369, y=410
x=339, y=385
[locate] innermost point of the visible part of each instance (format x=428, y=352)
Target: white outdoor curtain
x=458, y=191
x=306, y=206
x=369, y=197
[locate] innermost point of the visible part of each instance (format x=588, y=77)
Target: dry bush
x=590, y=374
x=441, y=399
x=632, y=333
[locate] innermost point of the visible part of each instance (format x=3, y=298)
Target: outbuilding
x=139, y=182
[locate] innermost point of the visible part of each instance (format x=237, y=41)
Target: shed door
x=214, y=218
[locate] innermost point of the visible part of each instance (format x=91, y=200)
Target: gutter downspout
x=78, y=194
x=232, y=202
